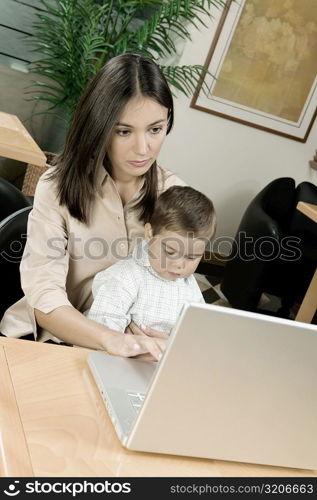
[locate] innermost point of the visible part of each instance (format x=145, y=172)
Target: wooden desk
x=308, y=307
x=16, y=142
x=53, y=423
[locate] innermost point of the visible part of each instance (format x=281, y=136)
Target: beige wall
x=228, y=161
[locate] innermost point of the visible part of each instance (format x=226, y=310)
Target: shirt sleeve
x=202, y=300
x=114, y=295
x=44, y=265
x=198, y=296
x=166, y=179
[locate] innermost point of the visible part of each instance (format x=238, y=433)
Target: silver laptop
x=231, y=385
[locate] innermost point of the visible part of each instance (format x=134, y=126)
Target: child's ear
x=148, y=233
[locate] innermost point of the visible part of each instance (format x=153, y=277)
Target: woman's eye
x=169, y=253
x=123, y=133
x=156, y=130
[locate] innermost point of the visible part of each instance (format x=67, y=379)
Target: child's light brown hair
x=184, y=210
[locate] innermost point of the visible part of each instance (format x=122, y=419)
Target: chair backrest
x=263, y=223
x=300, y=223
x=278, y=200
x=11, y=199
x=13, y=231
x=271, y=208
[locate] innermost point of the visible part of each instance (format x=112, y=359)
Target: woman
x=90, y=208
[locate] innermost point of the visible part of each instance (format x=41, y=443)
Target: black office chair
x=275, y=248
x=11, y=199
x=13, y=230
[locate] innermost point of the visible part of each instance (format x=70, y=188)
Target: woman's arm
x=70, y=326
x=44, y=270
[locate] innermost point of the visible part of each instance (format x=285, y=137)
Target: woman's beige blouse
x=62, y=255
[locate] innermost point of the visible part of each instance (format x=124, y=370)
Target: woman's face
x=137, y=138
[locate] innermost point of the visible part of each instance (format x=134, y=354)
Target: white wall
x=228, y=161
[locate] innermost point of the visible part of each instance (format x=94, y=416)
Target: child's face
x=172, y=255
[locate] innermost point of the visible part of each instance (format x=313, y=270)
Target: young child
x=150, y=286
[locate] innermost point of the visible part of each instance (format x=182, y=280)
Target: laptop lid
x=233, y=385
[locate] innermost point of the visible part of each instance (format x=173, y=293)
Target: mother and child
x=113, y=238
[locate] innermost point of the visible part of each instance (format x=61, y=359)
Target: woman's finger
x=146, y=356
x=153, y=347
x=128, y=345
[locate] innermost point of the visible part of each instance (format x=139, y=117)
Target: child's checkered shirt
x=130, y=290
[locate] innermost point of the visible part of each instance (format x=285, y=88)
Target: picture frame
x=262, y=66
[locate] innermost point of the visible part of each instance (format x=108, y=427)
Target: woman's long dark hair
x=121, y=78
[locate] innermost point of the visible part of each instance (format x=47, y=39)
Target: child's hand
x=149, y=332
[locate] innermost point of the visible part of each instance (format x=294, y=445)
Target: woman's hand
x=143, y=331
x=134, y=345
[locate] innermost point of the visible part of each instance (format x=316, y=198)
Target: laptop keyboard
x=136, y=399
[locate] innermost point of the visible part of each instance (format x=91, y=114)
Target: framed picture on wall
x=263, y=62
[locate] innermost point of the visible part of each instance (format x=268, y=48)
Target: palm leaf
x=172, y=16
x=186, y=78
x=74, y=38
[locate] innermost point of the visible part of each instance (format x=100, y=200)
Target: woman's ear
x=148, y=233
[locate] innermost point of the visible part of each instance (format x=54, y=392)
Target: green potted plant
x=74, y=38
